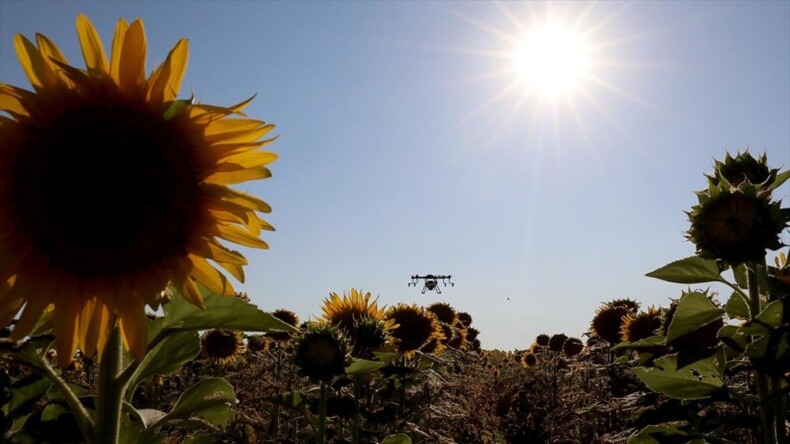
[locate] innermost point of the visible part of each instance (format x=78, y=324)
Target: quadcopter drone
x=431, y=282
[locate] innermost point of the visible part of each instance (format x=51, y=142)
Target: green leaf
x=385, y=356
x=691, y=270
x=175, y=108
x=769, y=318
x=739, y=273
x=733, y=338
x=694, y=311
x=54, y=394
x=737, y=307
x=650, y=343
x=24, y=393
x=52, y=411
x=693, y=381
x=167, y=356
x=292, y=400
x=780, y=179
x=656, y=434
x=209, y=399
x=221, y=312
x=398, y=438
x=149, y=416
x=361, y=366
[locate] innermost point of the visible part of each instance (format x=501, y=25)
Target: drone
x=431, y=282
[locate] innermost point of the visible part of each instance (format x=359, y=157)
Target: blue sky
x=400, y=152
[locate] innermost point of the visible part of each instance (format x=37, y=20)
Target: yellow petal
x=92, y=48
x=52, y=55
x=180, y=268
x=210, y=277
x=233, y=126
x=166, y=80
x=240, y=236
x=117, y=49
x=241, y=136
x=132, y=66
x=134, y=328
x=238, y=175
x=230, y=195
x=66, y=315
x=38, y=71
x=211, y=249
x=234, y=269
x=252, y=158
x=11, y=103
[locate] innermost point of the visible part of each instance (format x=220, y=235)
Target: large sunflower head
x=557, y=341
x=320, y=353
x=111, y=187
x=414, y=327
x=607, y=322
x=341, y=312
x=222, y=345
x=736, y=225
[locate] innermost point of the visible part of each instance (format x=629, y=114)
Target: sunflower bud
x=320, y=353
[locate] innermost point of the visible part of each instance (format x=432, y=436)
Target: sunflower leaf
x=694, y=381
x=694, y=311
x=221, y=312
x=691, y=270
x=167, y=356
x=781, y=178
x=736, y=307
x=398, y=438
x=362, y=366
x=659, y=433
x=208, y=400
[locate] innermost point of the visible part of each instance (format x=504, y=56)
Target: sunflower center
x=108, y=189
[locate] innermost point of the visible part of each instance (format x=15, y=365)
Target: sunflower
x=459, y=340
x=111, y=188
x=607, y=322
x=557, y=341
x=222, y=345
x=543, y=340
x=257, y=343
x=356, y=305
x=444, y=312
x=641, y=326
x=320, y=353
x=528, y=360
x=414, y=327
x=369, y=335
x=465, y=319
x=289, y=318
x=572, y=347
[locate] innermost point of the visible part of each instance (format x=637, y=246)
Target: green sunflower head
x=736, y=225
x=743, y=168
x=320, y=353
x=369, y=335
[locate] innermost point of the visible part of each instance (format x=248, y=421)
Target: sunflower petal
x=133, y=327
x=166, y=80
x=38, y=71
x=132, y=65
x=92, y=48
x=11, y=103
x=234, y=269
x=210, y=277
x=52, y=55
x=252, y=158
x=66, y=315
x=240, y=236
x=236, y=175
x=117, y=49
x=211, y=249
x=237, y=197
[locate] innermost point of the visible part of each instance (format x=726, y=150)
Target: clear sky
x=408, y=143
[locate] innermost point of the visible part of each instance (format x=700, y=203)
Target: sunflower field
x=124, y=332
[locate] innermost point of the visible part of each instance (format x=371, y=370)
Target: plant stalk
x=321, y=434
x=355, y=420
x=84, y=419
x=765, y=404
x=110, y=391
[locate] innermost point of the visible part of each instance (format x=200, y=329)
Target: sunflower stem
x=765, y=405
x=321, y=434
x=110, y=391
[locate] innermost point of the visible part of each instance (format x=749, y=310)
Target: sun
x=552, y=60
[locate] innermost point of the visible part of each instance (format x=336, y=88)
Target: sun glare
x=552, y=60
